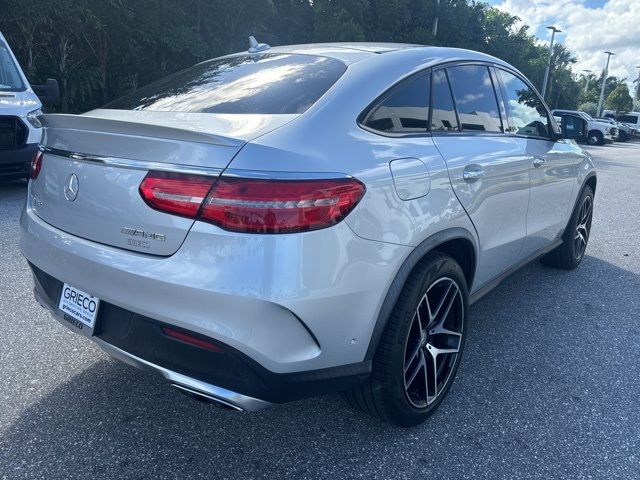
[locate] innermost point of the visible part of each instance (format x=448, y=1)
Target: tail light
x=175, y=193
x=254, y=205
x=36, y=165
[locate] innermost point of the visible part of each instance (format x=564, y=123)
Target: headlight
x=33, y=118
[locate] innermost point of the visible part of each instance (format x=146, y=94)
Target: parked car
x=284, y=222
x=599, y=132
x=632, y=120
x=20, y=129
x=624, y=131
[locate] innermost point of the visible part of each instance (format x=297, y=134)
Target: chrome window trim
x=131, y=164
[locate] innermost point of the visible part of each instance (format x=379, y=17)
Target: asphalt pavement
x=549, y=386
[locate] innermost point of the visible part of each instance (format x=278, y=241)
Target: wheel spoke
x=414, y=355
x=420, y=365
x=431, y=381
x=586, y=211
x=444, y=306
x=435, y=351
x=423, y=301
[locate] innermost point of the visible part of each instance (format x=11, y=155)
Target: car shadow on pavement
x=536, y=386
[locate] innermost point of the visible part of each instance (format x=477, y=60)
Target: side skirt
x=482, y=291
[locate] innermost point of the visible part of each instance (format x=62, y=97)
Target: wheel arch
x=455, y=242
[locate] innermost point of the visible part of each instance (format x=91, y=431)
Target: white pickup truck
x=598, y=132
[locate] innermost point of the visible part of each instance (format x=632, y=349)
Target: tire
x=595, y=137
x=570, y=254
x=410, y=344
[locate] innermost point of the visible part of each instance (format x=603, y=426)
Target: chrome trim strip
x=279, y=175
x=132, y=164
x=227, y=397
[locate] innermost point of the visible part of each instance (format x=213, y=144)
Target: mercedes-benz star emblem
x=71, y=187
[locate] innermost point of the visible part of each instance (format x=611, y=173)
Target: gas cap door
x=411, y=178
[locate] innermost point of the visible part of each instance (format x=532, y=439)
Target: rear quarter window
x=246, y=84
x=405, y=109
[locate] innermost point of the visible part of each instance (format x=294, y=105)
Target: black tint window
x=627, y=118
x=475, y=98
x=266, y=84
x=527, y=114
x=443, y=116
x=405, y=110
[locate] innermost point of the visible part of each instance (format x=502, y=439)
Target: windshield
x=586, y=116
x=261, y=84
x=10, y=80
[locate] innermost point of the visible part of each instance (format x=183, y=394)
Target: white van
x=20, y=129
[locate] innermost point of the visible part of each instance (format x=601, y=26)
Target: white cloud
x=588, y=32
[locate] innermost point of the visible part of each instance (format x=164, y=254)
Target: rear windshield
x=10, y=80
x=263, y=84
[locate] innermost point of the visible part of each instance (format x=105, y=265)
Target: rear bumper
x=294, y=313
x=225, y=375
x=15, y=163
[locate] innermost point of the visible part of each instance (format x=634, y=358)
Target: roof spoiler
x=149, y=128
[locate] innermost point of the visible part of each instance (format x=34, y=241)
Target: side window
x=475, y=98
x=405, y=110
x=527, y=114
x=443, y=116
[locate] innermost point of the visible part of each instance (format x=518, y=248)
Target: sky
x=589, y=28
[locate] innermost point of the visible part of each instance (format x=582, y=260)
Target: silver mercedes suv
x=285, y=222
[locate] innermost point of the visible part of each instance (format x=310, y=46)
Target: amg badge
x=138, y=232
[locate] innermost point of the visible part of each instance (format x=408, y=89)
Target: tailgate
x=92, y=168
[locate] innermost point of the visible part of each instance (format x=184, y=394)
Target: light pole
x=586, y=85
x=434, y=29
x=554, y=30
x=638, y=87
x=604, y=82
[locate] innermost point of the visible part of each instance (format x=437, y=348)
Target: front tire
x=421, y=346
x=595, y=138
x=570, y=254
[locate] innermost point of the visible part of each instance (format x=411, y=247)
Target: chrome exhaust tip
x=206, y=398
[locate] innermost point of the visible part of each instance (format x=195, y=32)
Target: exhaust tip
x=206, y=398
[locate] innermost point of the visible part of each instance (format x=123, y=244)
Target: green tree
x=619, y=99
x=101, y=49
x=590, y=107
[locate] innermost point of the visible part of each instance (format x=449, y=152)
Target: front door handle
x=472, y=173
x=538, y=162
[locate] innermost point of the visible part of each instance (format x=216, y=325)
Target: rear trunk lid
x=94, y=163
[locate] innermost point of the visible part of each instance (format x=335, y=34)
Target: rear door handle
x=472, y=173
x=538, y=161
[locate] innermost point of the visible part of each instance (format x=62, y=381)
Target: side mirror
x=48, y=93
x=573, y=127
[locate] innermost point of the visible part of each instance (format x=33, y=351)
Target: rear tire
x=595, y=137
x=570, y=254
x=421, y=347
